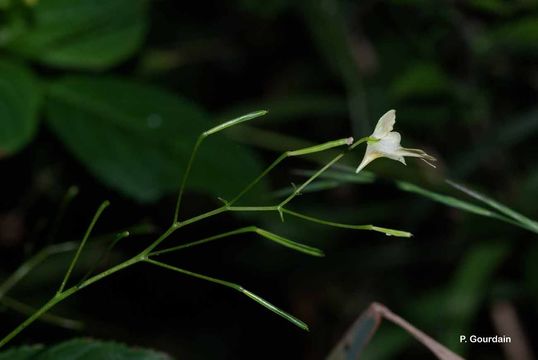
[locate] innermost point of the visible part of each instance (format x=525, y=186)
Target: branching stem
x=147, y=254
x=98, y=213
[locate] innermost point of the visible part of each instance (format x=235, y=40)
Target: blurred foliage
x=18, y=106
x=117, y=91
x=105, y=122
x=80, y=34
x=79, y=349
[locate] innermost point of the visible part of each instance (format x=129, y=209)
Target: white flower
x=386, y=143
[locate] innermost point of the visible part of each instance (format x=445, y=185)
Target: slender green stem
x=53, y=319
x=31, y=263
x=216, y=129
x=385, y=231
x=362, y=140
x=70, y=194
x=98, y=213
x=257, y=180
x=117, y=238
x=55, y=300
x=242, y=230
x=202, y=216
x=252, y=208
x=186, y=176
x=41, y=256
x=300, y=152
x=321, y=171
x=60, y=296
x=308, y=181
x=143, y=256
x=109, y=272
x=234, y=286
x=248, y=229
x=193, y=274
x=160, y=239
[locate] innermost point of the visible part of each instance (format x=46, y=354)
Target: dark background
x=463, y=78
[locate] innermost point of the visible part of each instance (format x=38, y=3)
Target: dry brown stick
x=360, y=333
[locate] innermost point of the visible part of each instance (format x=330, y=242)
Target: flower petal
x=369, y=156
x=418, y=153
x=385, y=124
x=389, y=144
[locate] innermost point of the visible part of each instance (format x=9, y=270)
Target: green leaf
x=21, y=353
x=504, y=213
x=83, y=34
x=83, y=349
x=505, y=210
x=19, y=100
x=137, y=139
x=446, y=200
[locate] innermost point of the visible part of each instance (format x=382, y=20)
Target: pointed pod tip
x=300, y=324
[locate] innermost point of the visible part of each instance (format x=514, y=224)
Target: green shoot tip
x=392, y=232
x=236, y=121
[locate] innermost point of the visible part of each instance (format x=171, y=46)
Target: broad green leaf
x=83, y=349
x=19, y=100
x=83, y=34
x=21, y=353
x=137, y=139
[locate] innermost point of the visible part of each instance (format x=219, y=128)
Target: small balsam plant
x=382, y=143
